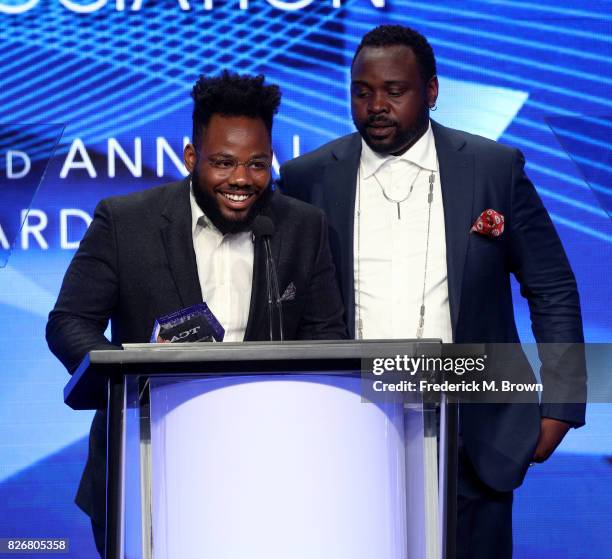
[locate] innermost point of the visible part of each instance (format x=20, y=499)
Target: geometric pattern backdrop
x=113, y=79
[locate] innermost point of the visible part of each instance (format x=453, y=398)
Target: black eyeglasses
x=227, y=165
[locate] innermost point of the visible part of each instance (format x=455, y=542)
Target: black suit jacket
x=137, y=262
x=476, y=174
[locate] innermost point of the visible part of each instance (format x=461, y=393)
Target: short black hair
x=233, y=95
x=393, y=35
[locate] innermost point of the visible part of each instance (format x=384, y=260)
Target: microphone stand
x=272, y=287
x=269, y=289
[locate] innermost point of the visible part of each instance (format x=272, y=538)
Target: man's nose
x=378, y=103
x=239, y=176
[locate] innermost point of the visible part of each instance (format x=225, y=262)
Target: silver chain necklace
x=393, y=200
x=421, y=321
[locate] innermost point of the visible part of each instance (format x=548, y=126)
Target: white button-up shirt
x=225, y=270
x=389, y=261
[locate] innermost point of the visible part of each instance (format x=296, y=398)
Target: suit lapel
x=178, y=243
x=457, y=181
x=338, y=202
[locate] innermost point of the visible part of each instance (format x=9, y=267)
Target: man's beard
x=210, y=206
x=403, y=140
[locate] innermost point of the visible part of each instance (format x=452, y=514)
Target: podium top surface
x=87, y=388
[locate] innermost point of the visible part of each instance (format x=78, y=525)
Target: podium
x=268, y=450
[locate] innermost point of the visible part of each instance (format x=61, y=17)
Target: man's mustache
x=242, y=189
x=380, y=121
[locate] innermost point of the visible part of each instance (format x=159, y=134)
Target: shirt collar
x=422, y=153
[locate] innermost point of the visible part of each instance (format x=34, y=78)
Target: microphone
x=263, y=228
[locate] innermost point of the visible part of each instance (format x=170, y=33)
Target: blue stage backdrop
x=95, y=97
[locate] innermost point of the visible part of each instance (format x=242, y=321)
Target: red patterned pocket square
x=489, y=223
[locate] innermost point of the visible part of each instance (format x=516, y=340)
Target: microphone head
x=263, y=226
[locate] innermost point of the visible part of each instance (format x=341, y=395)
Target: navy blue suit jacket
x=476, y=174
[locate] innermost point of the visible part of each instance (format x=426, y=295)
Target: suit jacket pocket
x=481, y=244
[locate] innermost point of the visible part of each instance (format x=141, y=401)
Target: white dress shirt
x=389, y=261
x=225, y=270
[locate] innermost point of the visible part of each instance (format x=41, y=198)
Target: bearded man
x=151, y=253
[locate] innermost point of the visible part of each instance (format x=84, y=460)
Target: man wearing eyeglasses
x=151, y=253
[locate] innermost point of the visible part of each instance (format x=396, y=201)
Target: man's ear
x=190, y=157
x=432, y=91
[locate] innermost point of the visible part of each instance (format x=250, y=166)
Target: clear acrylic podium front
x=232, y=451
